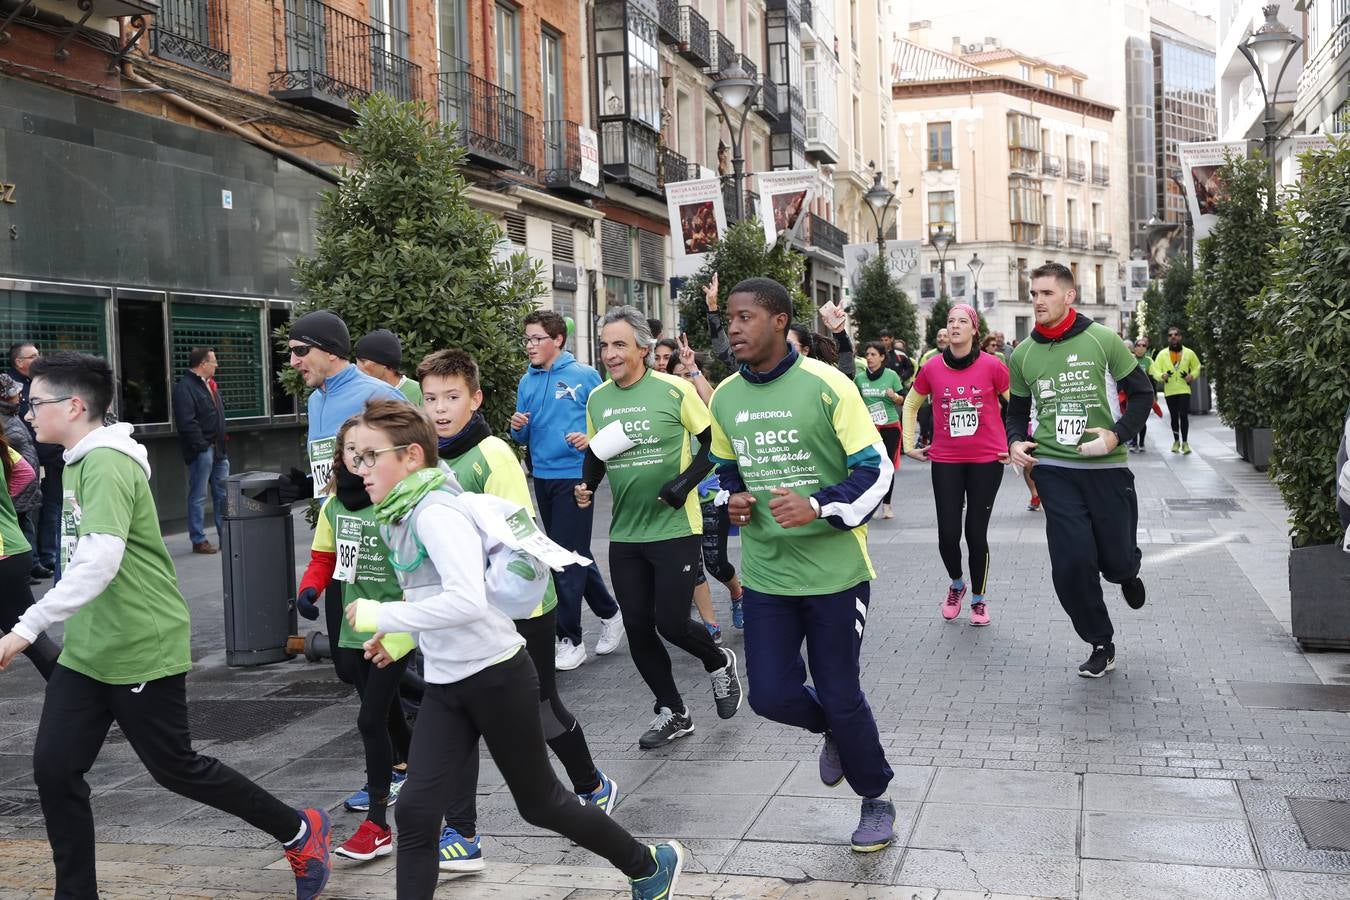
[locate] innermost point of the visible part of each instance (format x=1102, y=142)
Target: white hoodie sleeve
x=455, y=548
x=92, y=568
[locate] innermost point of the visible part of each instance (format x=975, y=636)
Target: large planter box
x=1201, y=402
x=1319, y=596
x=1242, y=438
x=1260, y=448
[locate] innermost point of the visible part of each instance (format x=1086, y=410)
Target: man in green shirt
x=655, y=532
x=380, y=355
x=805, y=467
x=1073, y=366
x=126, y=653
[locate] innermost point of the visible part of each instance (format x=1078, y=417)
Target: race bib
x=70, y=521
x=963, y=419
x=539, y=545
x=878, y=413
x=348, y=533
x=1070, y=422
x=321, y=463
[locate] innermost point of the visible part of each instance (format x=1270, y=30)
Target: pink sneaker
x=951, y=607
x=979, y=613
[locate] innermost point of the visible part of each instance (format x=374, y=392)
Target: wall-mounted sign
x=564, y=277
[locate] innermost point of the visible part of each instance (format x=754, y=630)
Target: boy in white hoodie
x=126, y=653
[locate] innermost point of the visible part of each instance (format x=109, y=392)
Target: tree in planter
x=1300, y=343
x=1170, y=308
x=1234, y=263
x=937, y=319
x=879, y=304
x=742, y=253
x=398, y=246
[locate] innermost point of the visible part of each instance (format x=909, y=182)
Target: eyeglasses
x=534, y=340
x=302, y=351
x=368, y=458
x=34, y=403
x=27, y=357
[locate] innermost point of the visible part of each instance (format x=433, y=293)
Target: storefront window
x=235, y=333
x=54, y=321
x=144, y=363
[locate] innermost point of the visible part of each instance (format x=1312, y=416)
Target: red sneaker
x=369, y=842
x=310, y=861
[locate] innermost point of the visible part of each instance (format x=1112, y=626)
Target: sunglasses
x=301, y=351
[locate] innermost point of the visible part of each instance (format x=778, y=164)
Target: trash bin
x=1201, y=403
x=258, y=564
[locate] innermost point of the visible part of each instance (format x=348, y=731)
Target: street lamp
x=1270, y=44
x=976, y=265
x=735, y=89
x=940, y=241
x=879, y=199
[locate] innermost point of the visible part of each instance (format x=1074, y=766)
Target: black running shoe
x=1102, y=660
x=1134, y=592
x=666, y=727
x=726, y=686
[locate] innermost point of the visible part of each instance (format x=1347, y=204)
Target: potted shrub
x=1300, y=346
x=1232, y=268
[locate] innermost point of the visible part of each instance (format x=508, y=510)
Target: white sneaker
x=611, y=633
x=569, y=656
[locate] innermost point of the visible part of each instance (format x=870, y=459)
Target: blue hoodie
x=342, y=396
x=555, y=398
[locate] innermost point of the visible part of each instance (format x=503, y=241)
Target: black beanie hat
x=323, y=329
x=381, y=346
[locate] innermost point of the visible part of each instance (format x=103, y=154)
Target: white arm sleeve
x=456, y=550
x=92, y=568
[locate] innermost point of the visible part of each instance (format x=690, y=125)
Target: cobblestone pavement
x=1013, y=776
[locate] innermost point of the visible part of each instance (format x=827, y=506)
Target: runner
x=794, y=444
x=126, y=653
x=16, y=559
x=484, y=464
x=380, y=355
x=1139, y=347
x=479, y=682
x=1071, y=364
x=1176, y=368
x=550, y=420
x=656, y=525
x=883, y=393
x=968, y=453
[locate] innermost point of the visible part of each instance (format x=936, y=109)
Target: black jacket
x=200, y=422
x=49, y=455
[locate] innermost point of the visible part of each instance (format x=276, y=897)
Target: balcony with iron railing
x=723, y=53
x=1101, y=242
x=564, y=165
x=1052, y=236
x=1101, y=175
x=668, y=21
x=749, y=200
x=1051, y=165
x=791, y=112
x=824, y=236
x=486, y=119
x=674, y=167
x=792, y=7
x=1078, y=239
x=1076, y=169
x=328, y=59
x=748, y=67
x=630, y=153
x=767, y=102
x=193, y=33
x=694, y=44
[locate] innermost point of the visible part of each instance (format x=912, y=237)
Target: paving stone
x=1115, y=880
x=1044, y=789
x=1164, y=796
x=1145, y=837
x=909, y=785
x=819, y=820
x=813, y=861
x=1308, y=885
x=1005, y=829
x=674, y=777
x=976, y=870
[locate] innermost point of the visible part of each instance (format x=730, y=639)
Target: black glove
x=674, y=492
x=304, y=604
x=294, y=486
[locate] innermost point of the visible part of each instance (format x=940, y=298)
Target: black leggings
x=500, y=703
x=15, y=598
x=561, y=729
x=384, y=732
x=716, y=527
x=890, y=437
x=1179, y=405
x=977, y=485
x=654, y=584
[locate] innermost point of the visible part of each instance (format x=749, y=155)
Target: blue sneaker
x=310, y=859
x=360, y=800
x=606, y=796
x=714, y=631
x=876, y=826
x=831, y=766
x=738, y=613
x=459, y=854
x=660, y=885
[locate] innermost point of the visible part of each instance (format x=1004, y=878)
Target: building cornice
x=1002, y=84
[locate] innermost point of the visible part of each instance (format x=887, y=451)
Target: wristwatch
x=694, y=374
x=815, y=505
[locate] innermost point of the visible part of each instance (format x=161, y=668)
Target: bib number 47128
x=1069, y=429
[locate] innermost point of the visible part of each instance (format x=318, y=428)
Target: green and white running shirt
x=1072, y=383
x=659, y=412
x=797, y=432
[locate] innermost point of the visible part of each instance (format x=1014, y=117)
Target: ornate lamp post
x=735, y=89
x=1268, y=45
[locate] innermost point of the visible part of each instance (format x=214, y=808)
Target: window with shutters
x=515, y=228
x=54, y=321
x=235, y=333
x=651, y=256
x=564, y=248
x=616, y=249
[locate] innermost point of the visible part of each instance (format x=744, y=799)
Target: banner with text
x=1200, y=165
x=784, y=199
x=902, y=257
x=1137, y=284
x=698, y=220
x=589, y=145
